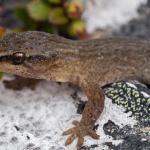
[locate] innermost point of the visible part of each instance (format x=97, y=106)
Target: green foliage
x=74, y=9
x=76, y=28
x=57, y=16
x=22, y=14
x=55, y=1
x=38, y=10
x=54, y=16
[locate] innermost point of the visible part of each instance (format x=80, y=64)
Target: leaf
x=74, y=8
x=77, y=28
x=57, y=16
x=38, y=10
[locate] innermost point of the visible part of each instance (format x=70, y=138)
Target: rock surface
x=35, y=119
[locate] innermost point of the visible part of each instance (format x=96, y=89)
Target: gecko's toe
x=80, y=142
x=93, y=134
x=70, y=139
x=69, y=131
x=79, y=131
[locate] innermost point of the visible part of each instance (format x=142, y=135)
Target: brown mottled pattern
x=89, y=64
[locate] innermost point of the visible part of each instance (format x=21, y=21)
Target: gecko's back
x=118, y=58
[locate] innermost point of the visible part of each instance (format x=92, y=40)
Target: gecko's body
x=89, y=64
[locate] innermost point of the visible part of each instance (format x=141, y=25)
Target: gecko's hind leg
x=91, y=113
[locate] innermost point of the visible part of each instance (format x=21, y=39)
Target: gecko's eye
x=18, y=58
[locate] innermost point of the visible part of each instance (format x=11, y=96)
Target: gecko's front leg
x=91, y=113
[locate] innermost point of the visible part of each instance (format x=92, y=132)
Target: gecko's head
x=29, y=54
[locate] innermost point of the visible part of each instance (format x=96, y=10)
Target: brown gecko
x=90, y=64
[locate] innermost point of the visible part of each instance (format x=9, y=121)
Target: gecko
x=89, y=64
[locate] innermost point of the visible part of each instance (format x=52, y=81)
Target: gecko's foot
x=79, y=131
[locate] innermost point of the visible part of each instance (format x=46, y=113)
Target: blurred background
x=78, y=19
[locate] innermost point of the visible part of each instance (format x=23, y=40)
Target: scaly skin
x=89, y=64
